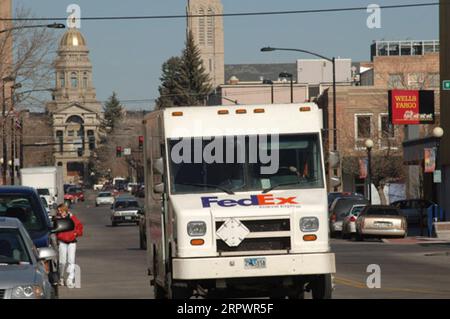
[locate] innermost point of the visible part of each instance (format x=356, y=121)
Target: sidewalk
x=414, y=240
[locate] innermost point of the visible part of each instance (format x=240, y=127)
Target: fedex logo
x=254, y=200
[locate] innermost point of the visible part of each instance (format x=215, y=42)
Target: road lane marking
x=360, y=285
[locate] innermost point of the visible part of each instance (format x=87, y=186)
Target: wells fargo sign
x=409, y=107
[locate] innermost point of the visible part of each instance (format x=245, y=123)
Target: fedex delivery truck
x=236, y=202
x=48, y=182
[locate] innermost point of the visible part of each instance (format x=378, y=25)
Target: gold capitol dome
x=73, y=38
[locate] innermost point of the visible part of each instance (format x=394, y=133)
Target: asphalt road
x=112, y=266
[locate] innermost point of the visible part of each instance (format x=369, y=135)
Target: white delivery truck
x=236, y=202
x=48, y=182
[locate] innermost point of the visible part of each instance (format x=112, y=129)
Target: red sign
x=410, y=107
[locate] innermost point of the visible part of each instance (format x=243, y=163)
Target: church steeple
x=209, y=36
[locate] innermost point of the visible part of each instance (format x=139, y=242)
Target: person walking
x=67, y=246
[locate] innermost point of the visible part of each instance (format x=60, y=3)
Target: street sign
x=127, y=151
x=446, y=84
x=437, y=177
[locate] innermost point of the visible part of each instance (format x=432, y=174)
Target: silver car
x=349, y=222
x=22, y=270
x=125, y=209
x=104, y=198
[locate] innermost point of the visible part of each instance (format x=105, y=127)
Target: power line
x=236, y=14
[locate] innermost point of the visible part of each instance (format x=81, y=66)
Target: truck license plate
x=128, y=218
x=255, y=263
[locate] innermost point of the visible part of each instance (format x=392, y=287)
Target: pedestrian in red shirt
x=67, y=246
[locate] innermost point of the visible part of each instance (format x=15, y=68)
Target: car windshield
x=43, y=191
x=23, y=207
x=126, y=204
x=235, y=165
x=12, y=248
x=342, y=206
x=104, y=195
x=357, y=210
x=382, y=212
x=74, y=190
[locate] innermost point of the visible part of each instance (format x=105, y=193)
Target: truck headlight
x=309, y=224
x=196, y=229
x=27, y=292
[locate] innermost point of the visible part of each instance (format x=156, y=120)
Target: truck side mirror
x=334, y=159
x=159, y=188
x=335, y=182
x=158, y=166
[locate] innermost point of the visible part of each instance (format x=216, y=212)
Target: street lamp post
x=333, y=61
x=4, y=147
x=291, y=77
x=369, y=145
x=13, y=133
x=438, y=132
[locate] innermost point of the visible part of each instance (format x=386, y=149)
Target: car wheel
x=359, y=237
x=96, y=204
x=321, y=287
x=113, y=224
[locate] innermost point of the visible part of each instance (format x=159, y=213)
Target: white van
x=236, y=202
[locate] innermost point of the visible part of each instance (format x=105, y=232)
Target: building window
x=415, y=80
x=363, y=129
x=386, y=128
x=434, y=80
x=201, y=27
x=70, y=133
x=395, y=81
x=210, y=65
x=74, y=80
x=62, y=80
x=211, y=25
x=85, y=80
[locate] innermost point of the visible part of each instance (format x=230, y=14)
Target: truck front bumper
x=235, y=267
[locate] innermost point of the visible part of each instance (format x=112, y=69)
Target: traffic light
x=141, y=143
x=80, y=152
x=91, y=143
x=119, y=151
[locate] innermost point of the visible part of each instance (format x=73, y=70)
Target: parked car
x=333, y=195
x=22, y=270
x=130, y=187
x=349, y=222
x=413, y=210
x=140, y=192
x=104, y=198
x=74, y=194
x=25, y=204
x=380, y=222
x=125, y=210
x=340, y=208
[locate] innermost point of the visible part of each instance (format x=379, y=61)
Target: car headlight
x=309, y=224
x=27, y=292
x=196, y=229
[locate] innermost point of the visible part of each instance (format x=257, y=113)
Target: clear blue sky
x=127, y=55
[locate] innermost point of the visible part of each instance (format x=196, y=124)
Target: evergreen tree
x=170, y=75
x=193, y=83
x=113, y=112
x=184, y=81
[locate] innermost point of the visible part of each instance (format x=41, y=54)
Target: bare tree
x=31, y=63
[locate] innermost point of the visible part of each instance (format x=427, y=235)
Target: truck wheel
x=159, y=292
x=322, y=287
x=179, y=293
x=359, y=237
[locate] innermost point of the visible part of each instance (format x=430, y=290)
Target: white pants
x=67, y=261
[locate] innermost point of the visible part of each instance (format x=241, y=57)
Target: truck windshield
x=43, y=191
x=237, y=168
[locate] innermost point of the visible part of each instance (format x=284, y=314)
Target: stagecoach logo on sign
x=262, y=201
x=411, y=107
